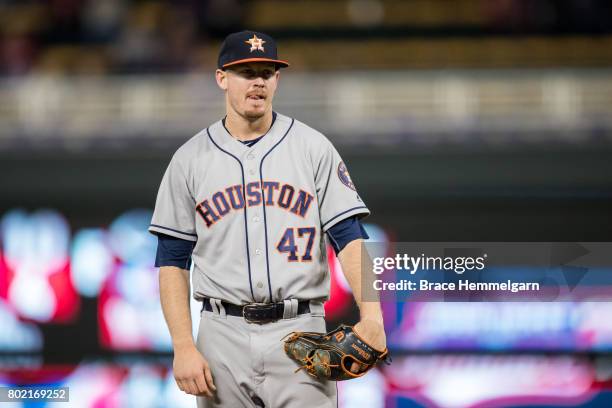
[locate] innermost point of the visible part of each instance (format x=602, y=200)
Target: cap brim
x=281, y=63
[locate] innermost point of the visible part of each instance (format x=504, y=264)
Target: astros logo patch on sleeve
x=344, y=176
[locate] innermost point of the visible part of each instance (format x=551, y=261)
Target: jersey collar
x=224, y=139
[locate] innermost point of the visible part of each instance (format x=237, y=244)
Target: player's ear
x=221, y=77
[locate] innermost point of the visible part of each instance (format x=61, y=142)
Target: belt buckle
x=251, y=308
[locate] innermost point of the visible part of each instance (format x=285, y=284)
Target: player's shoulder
x=307, y=134
x=194, y=147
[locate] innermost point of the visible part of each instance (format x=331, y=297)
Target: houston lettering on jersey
x=269, y=193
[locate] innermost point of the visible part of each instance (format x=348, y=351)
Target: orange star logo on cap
x=256, y=43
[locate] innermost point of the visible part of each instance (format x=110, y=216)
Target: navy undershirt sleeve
x=346, y=231
x=172, y=251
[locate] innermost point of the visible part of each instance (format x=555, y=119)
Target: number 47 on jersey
x=287, y=243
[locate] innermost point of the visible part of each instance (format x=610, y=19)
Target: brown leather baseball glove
x=330, y=356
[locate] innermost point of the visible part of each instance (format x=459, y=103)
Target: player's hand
x=192, y=372
x=372, y=332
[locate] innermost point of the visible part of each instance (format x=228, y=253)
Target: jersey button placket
x=257, y=238
x=250, y=157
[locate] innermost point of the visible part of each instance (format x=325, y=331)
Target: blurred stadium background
x=460, y=120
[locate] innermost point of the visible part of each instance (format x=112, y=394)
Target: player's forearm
x=357, y=270
x=174, y=295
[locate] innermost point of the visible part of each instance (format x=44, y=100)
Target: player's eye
x=251, y=74
x=247, y=73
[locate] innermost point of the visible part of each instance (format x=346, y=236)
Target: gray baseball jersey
x=257, y=214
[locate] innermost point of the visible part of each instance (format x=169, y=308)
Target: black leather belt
x=258, y=312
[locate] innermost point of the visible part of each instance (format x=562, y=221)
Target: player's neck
x=245, y=129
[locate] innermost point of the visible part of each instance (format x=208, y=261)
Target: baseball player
x=248, y=200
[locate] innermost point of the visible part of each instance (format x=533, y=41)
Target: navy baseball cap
x=248, y=46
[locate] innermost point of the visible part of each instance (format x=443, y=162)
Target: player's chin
x=255, y=112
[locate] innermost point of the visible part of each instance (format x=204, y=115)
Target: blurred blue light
x=130, y=240
x=138, y=285
x=41, y=237
x=141, y=388
x=17, y=336
x=91, y=261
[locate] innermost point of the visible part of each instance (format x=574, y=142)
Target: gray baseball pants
x=249, y=365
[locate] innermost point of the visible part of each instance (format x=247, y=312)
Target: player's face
x=250, y=88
